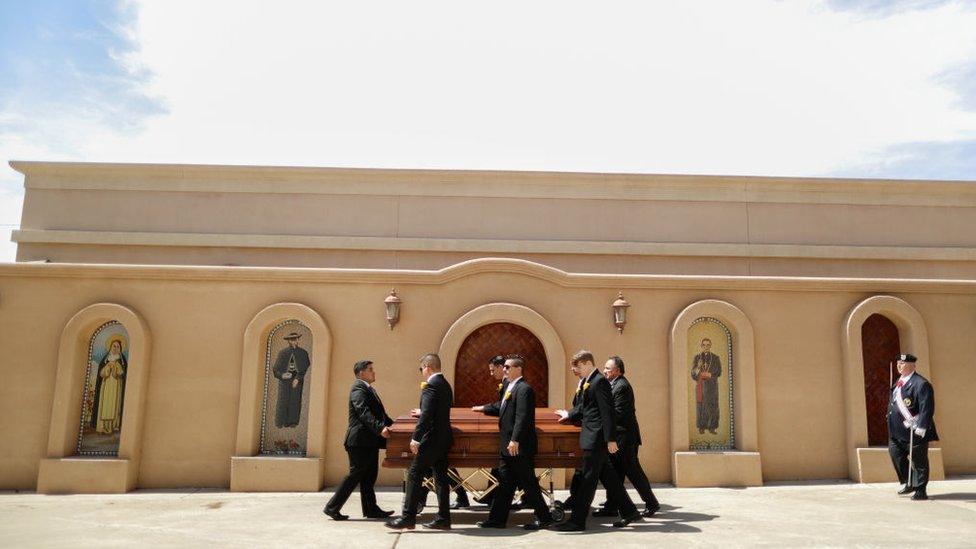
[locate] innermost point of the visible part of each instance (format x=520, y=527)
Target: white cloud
x=771, y=88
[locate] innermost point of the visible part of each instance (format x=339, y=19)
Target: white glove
x=919, y=431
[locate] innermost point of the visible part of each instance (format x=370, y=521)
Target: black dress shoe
x=517, y=505
x=335, y=515
x=569, y=527
x=650, y=510
x=537, y=525
x=920, y=495
x=438, y=524
x=400, y=523
x=627, y=520
x=906, y=490
x=489, y=524
x=460, y=505
x=604, y=512
x=378, y=514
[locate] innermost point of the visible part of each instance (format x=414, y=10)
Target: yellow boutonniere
x=500, y=385
x=423, y=385
x=586, y=386
x=578, y=390
x=507, y=394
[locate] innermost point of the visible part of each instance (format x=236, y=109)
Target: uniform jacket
x=625, y=413
x=595, y=412
x=918, y=396
x=367, y=418
x=433, y=430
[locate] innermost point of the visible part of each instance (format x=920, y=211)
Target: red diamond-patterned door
x=472, y=383
x=880, y=348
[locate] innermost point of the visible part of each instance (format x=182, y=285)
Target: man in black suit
x=597, y=439
x=518, y=444
x=496, y=369
x=577, y=473
x=911, y=427
x=432, y=439
x=367, y=433
x=625, y=461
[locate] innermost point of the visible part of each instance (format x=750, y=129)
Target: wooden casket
x=476, y=441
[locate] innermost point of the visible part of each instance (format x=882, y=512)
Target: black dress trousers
x=363, y=468
x=898, y=450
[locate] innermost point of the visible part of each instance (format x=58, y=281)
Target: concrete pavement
x=826, y=514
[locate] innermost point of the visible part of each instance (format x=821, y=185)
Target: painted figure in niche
x=290, y=368
x=706, y=368
x=106, y=415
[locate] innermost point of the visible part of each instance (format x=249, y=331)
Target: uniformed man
x=367, y=433
x=597, y=440
x=911, y=427
x=625, y=461
x=518, y=444
x=432, y=439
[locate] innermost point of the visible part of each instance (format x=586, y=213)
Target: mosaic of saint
x=284, y=420
x=710, y=387
x=104, y=397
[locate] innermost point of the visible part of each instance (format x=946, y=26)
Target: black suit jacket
x=625, y=413
x=367, y=418
x=595, y=412
x=919, y=397
x=517, y=421
x=495, y=407
x=433, y=430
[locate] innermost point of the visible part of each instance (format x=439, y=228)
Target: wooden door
x=472, y=383
x=880, y=347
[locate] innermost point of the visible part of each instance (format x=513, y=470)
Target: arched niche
x=867, y=464
x=63, y=472
x=251, y=471
x=516, y=314
x=742, y=466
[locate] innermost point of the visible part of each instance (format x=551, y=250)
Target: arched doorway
x=471, y=383
x=880, y=347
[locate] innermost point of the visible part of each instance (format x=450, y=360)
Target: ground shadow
x=961, y=496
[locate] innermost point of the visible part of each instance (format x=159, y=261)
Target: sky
x=834, y=88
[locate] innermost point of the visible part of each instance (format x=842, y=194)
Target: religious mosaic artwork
x=710, y=385
x=284, y=417
x=104, y=397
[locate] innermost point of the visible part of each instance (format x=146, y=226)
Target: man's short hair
x=582, y=356
x=360, y=366
x=497, y=360
x=516, y=362
x=704, y=339
x=618, y=362
x=432, y=360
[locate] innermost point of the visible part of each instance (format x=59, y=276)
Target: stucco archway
x=516, y=314
x=249, y=471
x=866, y=464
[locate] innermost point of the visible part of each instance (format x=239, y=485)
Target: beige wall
x=424, y=219
x=197, y=317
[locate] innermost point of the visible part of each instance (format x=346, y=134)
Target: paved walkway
x=829, y=514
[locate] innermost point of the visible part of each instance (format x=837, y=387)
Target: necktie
x=900, y=383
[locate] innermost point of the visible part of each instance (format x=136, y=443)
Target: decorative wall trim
x=487, y=265
x=515, y=314
x=913, y=338
x=475, y=245
x=59, y=472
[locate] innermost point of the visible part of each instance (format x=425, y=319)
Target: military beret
x=907, y=358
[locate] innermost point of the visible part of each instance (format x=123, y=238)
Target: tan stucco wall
x=429, y=219
x=197, y=317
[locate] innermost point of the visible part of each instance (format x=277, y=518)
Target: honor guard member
x=597, y=440
x=625, y=461
x=432, y=439
x=496, y=369
x=367, y=433
x=911, y=427
x=518, y=444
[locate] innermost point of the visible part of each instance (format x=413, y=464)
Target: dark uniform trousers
x=518, y=471
x=363, y=468
x=627, y=465
x=595, y=469
x=898, y=450
x=426, y=461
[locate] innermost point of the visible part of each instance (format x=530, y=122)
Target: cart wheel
x=558, y=513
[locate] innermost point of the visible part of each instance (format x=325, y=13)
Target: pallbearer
x=431, y=441
x=367, y=433
x=518, y=444
x=911, y=427
x=496, y=370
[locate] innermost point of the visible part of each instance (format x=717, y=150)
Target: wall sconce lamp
x=392, y=303
x=620, y=312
